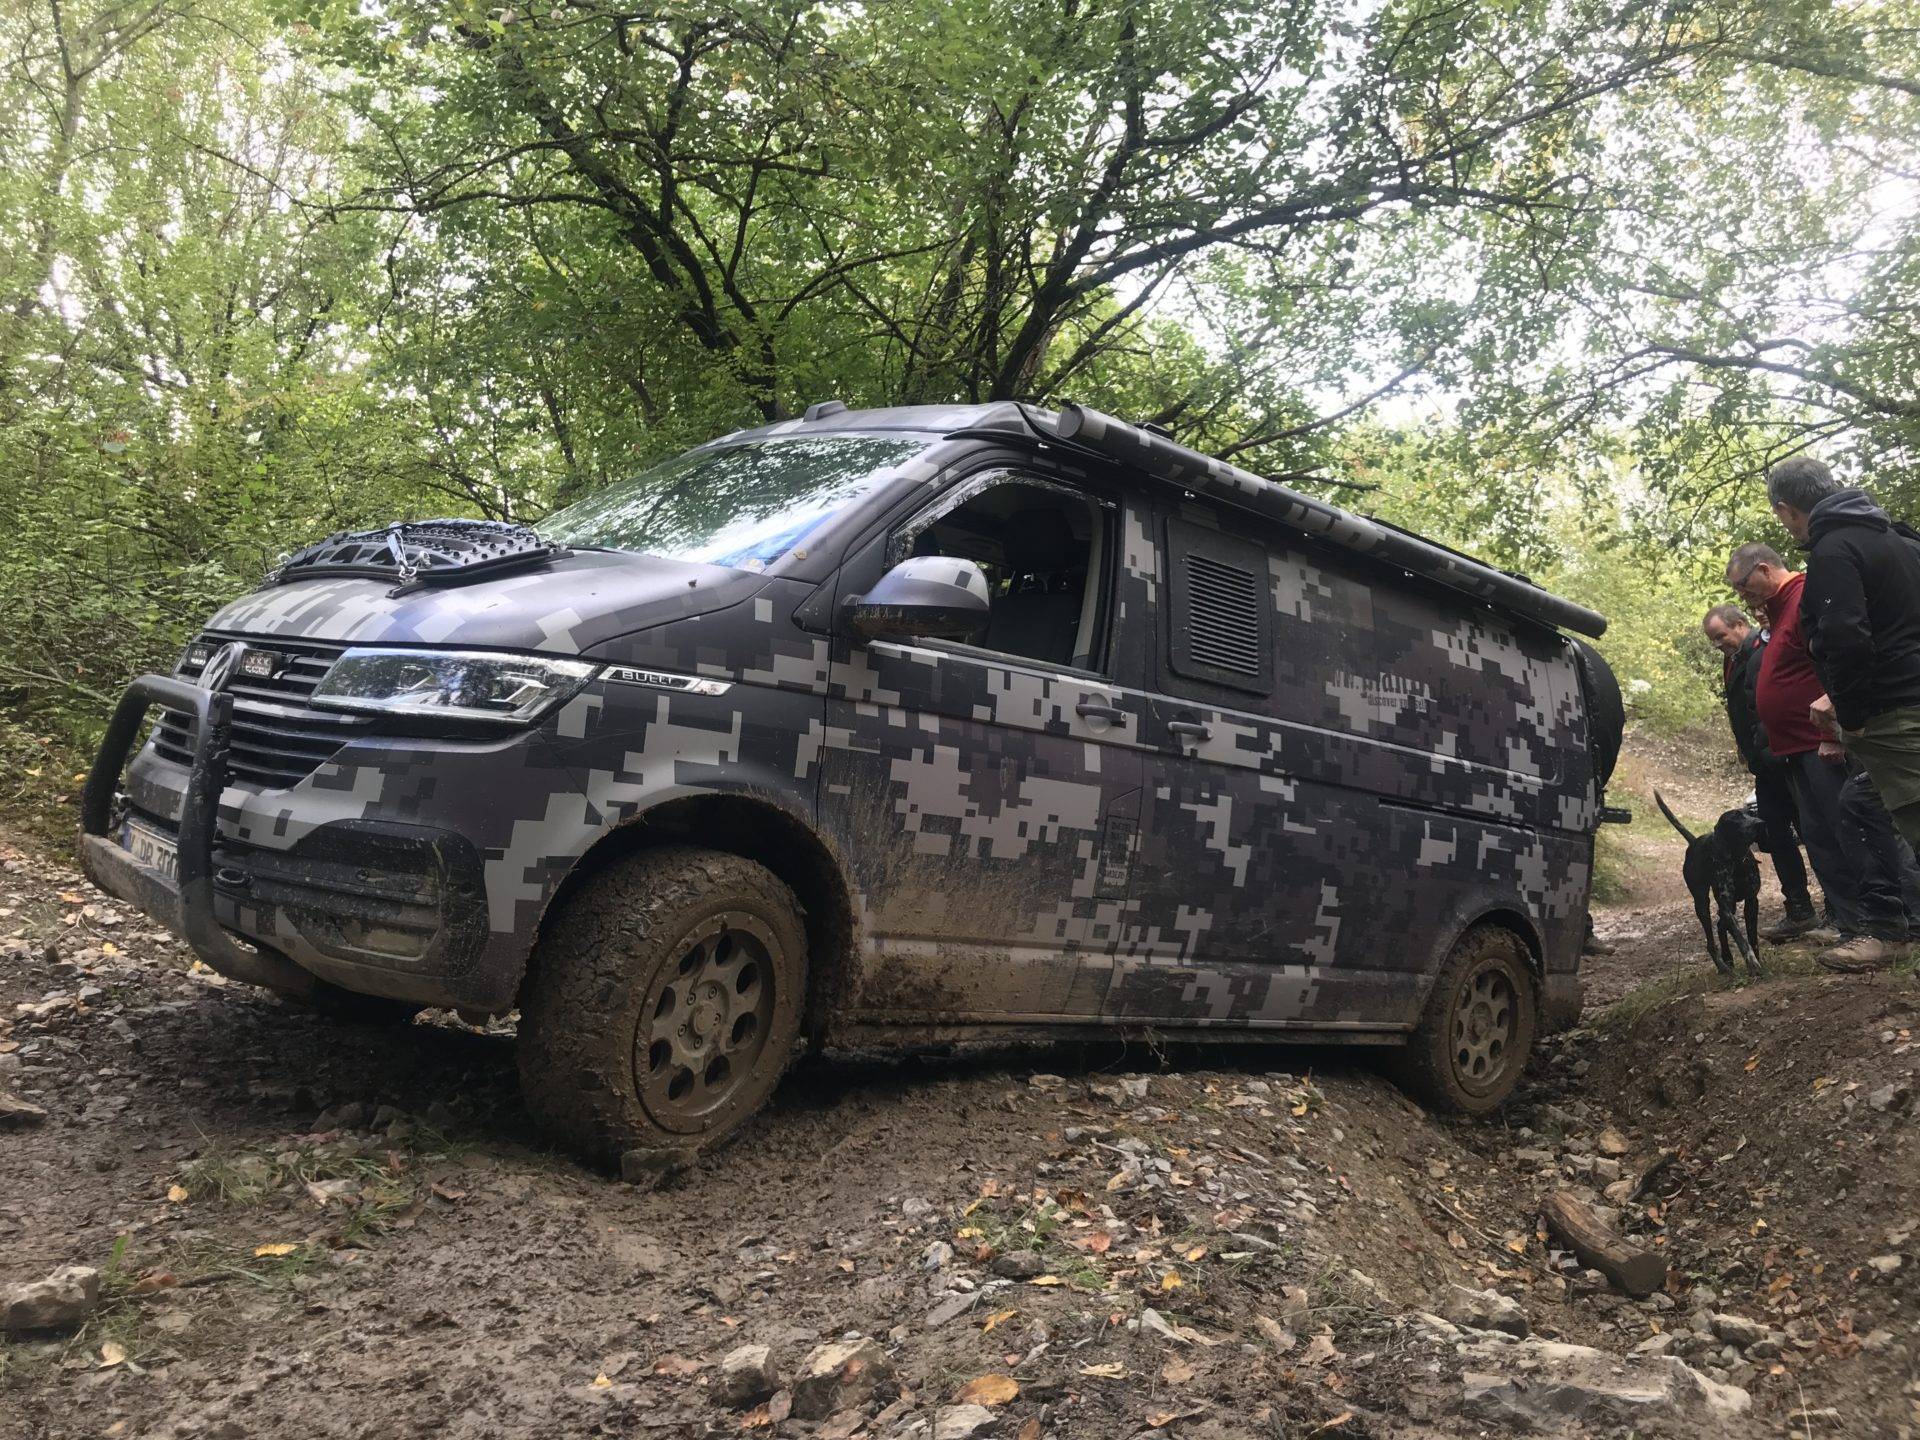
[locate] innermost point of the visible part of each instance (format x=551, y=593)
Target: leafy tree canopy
x=1551, y=280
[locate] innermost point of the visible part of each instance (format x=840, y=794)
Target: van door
x=1263, y=895
x=985, y=796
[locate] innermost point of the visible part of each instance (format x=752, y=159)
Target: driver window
x=1039, y=545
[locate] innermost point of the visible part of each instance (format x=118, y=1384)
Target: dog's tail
x=1671, y=819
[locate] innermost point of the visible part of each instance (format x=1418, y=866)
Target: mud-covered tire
x=656, y=961
x=1478, y=1028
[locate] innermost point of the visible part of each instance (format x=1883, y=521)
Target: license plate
x=151, y=849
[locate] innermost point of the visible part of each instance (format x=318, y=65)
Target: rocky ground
x=224, y=1217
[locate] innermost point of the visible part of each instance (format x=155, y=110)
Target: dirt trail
x=313, y=1227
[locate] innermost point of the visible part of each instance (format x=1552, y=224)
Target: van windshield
x=743, y=506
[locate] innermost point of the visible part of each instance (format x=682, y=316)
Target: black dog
x=1720, y=866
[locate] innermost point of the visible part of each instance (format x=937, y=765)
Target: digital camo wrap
x=977, y=838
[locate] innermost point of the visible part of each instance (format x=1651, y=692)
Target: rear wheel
x=1477, y=1031
x=664, y=1003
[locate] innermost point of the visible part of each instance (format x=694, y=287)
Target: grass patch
x=1615, y=868
x=1796, y=962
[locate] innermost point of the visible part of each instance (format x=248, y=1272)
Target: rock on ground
x=1541, y=1383
x=63, y=1299
x=747, y=1376
x=1737, y=1329
x=1483, y=1310
x=18, y=1114
x=961, y=1422
x=838, y=1377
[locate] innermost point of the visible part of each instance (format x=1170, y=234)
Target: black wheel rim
x=1486, y=1015
x=706, y=1022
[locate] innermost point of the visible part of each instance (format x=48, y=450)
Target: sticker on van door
x=1118, y=841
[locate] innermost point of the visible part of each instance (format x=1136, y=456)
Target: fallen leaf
x=1301, y=1108
x=1171, y=1280
x=279, y=1247
x=847, y=1266
x=600, y=1382
x=1281, y=1338
x=987, y=1390
x=1099, y=1242
x=154, y=1280
x=1335, y=1423
x=1176, y=1371
x=1112, y=1370
x=112, y=1354
x=999, y=1317
x=1198, y=1252
x=107, y=947
x=1160, y=1419
x=176, y=1193
x=1753, y=1063
x=1319, y=1350
x=1046, y=1280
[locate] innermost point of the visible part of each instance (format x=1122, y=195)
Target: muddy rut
x=305, y=1226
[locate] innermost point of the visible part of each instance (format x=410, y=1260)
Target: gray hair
x=1802, y=482
x=1731, y=616
x=1752, y=554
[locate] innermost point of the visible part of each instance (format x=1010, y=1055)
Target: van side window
x=1222, y=620
x=1043, y=548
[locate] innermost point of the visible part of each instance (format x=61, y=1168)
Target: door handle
x=1189, y=729
x=1093, y=710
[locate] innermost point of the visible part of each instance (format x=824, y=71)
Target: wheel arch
x=756, y=829
x=1503, y=913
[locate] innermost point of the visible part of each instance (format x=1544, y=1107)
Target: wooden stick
x=1654, y=1172
x=1570, y=1220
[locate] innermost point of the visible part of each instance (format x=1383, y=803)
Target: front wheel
x=1478, y=1027
x=663, y=1004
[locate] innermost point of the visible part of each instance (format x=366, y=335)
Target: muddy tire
x=663, y=1004
x=1478, y=1029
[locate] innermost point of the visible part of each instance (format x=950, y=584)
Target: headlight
x=470, y=685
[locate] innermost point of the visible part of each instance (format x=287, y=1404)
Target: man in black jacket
x=1860, y=612
x=1740, y=645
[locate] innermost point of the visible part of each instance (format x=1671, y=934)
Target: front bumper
x=375, y=906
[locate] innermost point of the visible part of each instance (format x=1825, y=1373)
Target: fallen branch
x=1654, y=1172
x=1571, y=1221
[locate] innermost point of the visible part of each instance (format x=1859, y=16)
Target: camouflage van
x=889, y=726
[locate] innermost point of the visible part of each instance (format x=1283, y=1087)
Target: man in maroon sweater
x=1864, y=890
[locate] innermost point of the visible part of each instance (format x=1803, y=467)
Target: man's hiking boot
x=1863, y=953
x=1800, y=919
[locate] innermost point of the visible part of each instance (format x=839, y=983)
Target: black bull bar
x=186, y=902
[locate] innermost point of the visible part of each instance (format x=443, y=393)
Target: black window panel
x=1222, y=609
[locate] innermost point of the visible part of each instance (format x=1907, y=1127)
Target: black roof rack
x=1157, y=455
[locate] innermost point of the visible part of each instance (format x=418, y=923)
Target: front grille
x=279, y=738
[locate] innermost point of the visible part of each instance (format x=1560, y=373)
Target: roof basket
x=418, y=553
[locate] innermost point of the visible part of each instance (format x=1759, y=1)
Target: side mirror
x=928, y=596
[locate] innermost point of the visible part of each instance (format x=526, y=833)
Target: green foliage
x=1549, y=281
